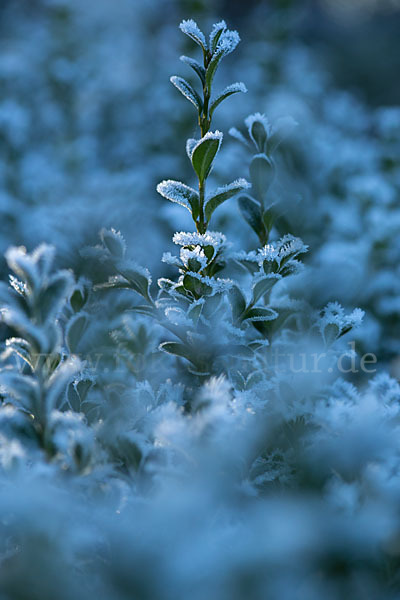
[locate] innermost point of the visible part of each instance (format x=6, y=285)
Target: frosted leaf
x=18, y=321
x=210, y=135
x=210, y=238
x=235, y=133
x=282, y=128
x=227, y=42
x=56, y=384
x=114, y=242
x=234, y=88
x=290, y=246
x=224, y=193
x=335, y=323
x=258, y=118
x=195, y=65
x=24, y=265
x=355, y=318
x=240, y=183
x=168, y=258
x=129, y=265
x=217, y=28
x=186, y=89
x=284, y=123
x=205, y=152
x=178, y=192
x=217, y=285
x=214, y=135
x=191, y=29
x=261, y=314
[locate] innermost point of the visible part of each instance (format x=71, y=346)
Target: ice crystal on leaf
x=192, y=144
x=227, y=42
x=191, y=29
x=210, y=238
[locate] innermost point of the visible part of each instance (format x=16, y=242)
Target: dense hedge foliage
x=216, y=416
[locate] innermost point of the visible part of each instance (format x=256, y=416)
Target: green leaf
x=213, y=66
x=237, y=302
x=182, y=194
x=21, y=347
x=251, y=212
x=138, y=278
x=195, y=311
x=196, y=66
x=52, y=298
x=186, y=89
x=197, y=287
x=204, y=154
x=144, y=309
x=234, y=88
x=239, y=350
x=215, y=34
x=262, y=172
x=269, y=217
x=331, y=333
x=283, y=128
x=263, y=286
x=177, y=348
x=76, y=329
x=114, y=242
x=261, y=314
x=259, y=135
x=191, y=29
x=223, y=193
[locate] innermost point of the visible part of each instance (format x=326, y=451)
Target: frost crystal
x=170, y=259
x=190, y=28
x=215, y=30
x=190, y=144
x=196, y=254
x=239, y=184
x=227, y=42
x=19, y=286
x=287, y=246
x=210, y=238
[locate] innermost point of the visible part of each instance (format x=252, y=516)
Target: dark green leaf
x=237, y=302
x=262, y=173
x=251, y=212
x=182, y=194
x=196, y=66
x=186, y=89
x=222, y=194
x=234, y=88
x=204, y=153
x=263, y=286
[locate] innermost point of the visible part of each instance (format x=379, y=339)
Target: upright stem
x=204, y=124
x=201, y=224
